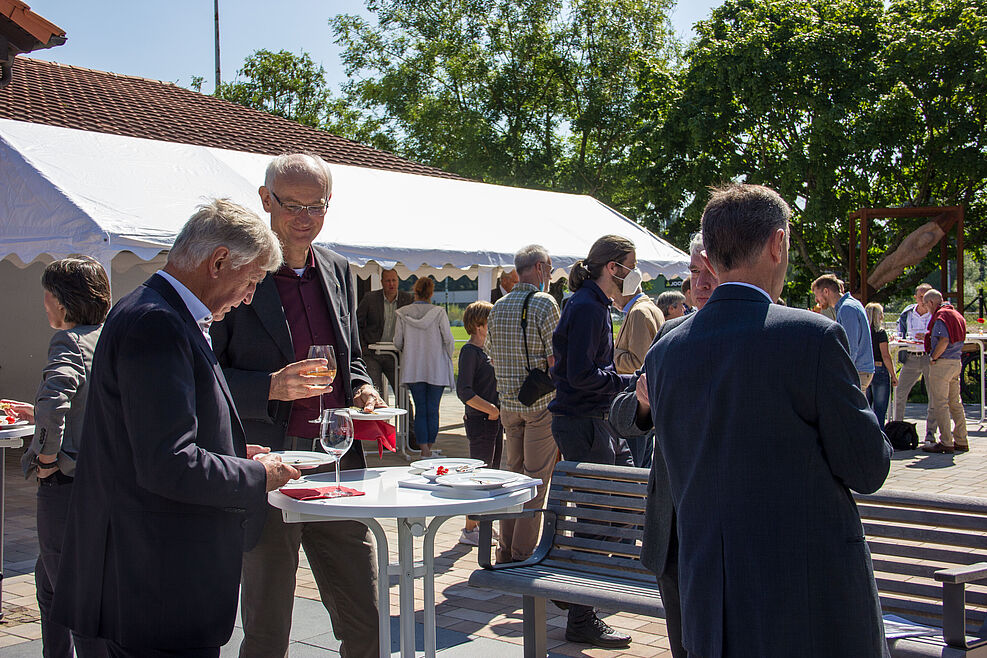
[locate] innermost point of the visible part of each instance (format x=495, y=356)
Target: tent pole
x=484, y=282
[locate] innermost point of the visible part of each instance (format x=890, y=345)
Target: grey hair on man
x=696, y=243
x=737, y=222
x=528, y=257
x=932, y=296
x=223, y=223
x=303, y=163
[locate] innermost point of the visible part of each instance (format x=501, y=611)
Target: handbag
x=537, y=383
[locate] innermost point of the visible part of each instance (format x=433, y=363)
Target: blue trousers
x=879, y=393
x=427, y=398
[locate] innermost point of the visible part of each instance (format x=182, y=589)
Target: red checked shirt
x=306, y=309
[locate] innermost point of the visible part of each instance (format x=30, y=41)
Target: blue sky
x=173, y=40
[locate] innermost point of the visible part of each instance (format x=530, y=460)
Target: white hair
x=222, y=223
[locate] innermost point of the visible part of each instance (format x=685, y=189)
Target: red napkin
x=315, y=493
x=380, y=431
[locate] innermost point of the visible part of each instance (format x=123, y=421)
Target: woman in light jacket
x=423, y=336
x=76, y=300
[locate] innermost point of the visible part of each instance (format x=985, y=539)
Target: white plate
x=16, y=423
x=449, y=462
x=303, y=459
x=383, y=413
x=433, y=473
x=479, y=479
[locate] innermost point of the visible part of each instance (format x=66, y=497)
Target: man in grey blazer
x=764, y=430
x=630, y=416
x=262, y=348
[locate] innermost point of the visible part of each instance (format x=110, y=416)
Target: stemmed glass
x=336, y=437
x=329, y=370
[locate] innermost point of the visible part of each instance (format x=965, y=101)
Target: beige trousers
x=530, y=449
x=915, y=366
x=944, y=395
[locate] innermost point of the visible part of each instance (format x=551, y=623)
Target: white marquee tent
x=71, y=191
x=123, y=200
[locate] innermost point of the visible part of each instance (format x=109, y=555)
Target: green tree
x=837, y=104
x=287, y=85
x=537, y=94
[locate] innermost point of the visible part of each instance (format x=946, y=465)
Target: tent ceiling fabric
x=71, y=191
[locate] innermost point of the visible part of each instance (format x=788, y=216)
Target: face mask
x=631, y=282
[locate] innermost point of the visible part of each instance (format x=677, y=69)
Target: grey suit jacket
x=253, y=341
x=370, y=315
x=60, y=404
x=659, y=524
x=765, y=431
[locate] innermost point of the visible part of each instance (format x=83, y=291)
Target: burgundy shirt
x=306, y=309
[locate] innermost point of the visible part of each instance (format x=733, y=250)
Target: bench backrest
x=599, y=519
x=911, y=536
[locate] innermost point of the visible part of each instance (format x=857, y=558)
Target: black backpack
x=903, y=436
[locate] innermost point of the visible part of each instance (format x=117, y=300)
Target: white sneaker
x=471, y=538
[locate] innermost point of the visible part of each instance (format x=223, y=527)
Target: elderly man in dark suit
x=764, y=430
x=376, y=318
x=630, y=416
x=165, y=488
x=263, y=349
x=505, y=283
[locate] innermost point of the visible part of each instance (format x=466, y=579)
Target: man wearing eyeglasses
x=309, y=301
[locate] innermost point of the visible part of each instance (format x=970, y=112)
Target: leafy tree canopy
x=837, y=104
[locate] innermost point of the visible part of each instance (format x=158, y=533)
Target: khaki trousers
x=530, y=449
x=915, y=366
x=944, y=392
x=865, y=379
x=342, y=559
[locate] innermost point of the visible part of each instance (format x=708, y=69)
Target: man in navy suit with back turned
x=758, y=413
x=166, y=495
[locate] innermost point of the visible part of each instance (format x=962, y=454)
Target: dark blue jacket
x=584, y=375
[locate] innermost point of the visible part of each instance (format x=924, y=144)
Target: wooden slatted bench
x=929, y=554
x=589, y=551
x=930, y=562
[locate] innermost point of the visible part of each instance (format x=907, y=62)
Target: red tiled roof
x=85, y=99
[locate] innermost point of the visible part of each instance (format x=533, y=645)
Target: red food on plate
x=441, y=470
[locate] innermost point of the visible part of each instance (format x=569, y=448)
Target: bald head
x=298, y=166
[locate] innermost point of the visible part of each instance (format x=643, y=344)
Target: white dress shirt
x=200, y=313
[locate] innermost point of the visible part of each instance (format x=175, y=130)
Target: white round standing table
x=410, y=507
x=11, y=437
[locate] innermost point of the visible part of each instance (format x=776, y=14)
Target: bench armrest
x=486, y=535
x=960, y=575
x=954, y=583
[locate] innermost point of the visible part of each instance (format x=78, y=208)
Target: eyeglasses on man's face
x=298, y=209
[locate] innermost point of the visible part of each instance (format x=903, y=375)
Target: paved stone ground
x=471, y=623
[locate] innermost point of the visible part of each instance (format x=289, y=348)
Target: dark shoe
x=958, y=448
x=595, y=631
x=938, y=448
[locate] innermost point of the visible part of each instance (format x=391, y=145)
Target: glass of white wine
x=329, y=370
x=336, y=436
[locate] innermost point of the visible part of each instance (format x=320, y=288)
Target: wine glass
x=329, y=370
x=336, y=437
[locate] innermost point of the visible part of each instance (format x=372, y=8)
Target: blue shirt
x=585, y=378
x=939, y=332
x=851, y=316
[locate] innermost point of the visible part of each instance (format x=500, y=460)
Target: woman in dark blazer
x=76, y=300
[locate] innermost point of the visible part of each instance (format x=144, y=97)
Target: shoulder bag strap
x=524, y=328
